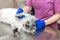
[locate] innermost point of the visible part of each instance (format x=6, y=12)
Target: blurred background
x=5, y=30
x=12, y=3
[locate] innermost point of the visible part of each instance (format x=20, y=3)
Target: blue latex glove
x=40, y=26
x=19, y=11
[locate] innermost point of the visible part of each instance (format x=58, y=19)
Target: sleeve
x=29, y=3
x=57, y=6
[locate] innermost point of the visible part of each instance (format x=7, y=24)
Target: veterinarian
x=47, y=12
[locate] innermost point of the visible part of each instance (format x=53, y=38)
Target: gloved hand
x=20, y=10
x=19, y=13
x=40, y=26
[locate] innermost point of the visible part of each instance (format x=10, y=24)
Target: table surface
x=6, y=33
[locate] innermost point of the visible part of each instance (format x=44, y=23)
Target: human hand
x=20, y=13
x=40, y=26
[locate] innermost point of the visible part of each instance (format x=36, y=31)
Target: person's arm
x=57, y=13
x=21, y=11
x=41, y=24
x=29, y=6
x=53, y=19
x=27, y=9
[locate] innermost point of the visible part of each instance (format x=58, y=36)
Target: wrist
x=24, y=10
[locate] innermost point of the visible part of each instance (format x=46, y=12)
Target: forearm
x=27, y=9
x=53, y=19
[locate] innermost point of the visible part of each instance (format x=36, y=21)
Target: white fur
x=7, y=15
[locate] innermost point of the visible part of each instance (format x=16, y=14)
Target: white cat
x=27, y=24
